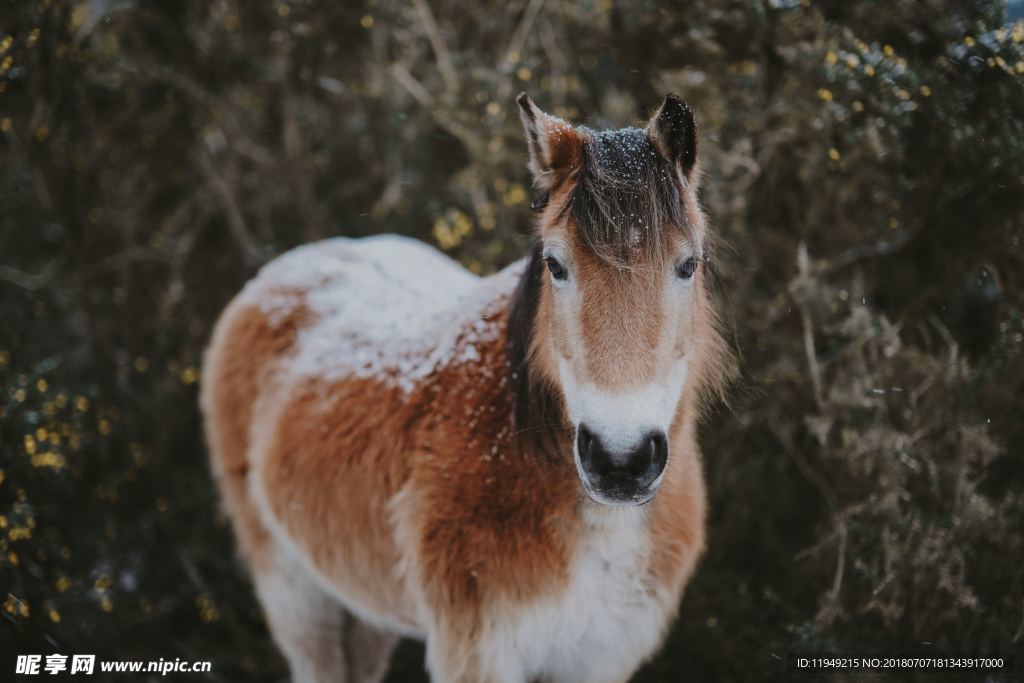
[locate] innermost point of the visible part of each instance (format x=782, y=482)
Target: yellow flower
x=926, y=91
x=831, y=57
x=48, y=459
x=888, y=51
x=207, y=610
x=869, y=70
x=515, y=195
x=366, y=21
x=833, y=154
x=190, y=375
x=825, y=94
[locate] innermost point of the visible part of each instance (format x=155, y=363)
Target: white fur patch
x=621, y=418
x=606, y=622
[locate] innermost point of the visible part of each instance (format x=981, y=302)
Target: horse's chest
x=608, y=617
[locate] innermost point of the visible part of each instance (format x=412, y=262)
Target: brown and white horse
x=506, y=467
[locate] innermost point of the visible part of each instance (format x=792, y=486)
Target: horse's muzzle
x=630, y=477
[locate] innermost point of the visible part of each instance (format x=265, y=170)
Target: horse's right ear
x=555, y=146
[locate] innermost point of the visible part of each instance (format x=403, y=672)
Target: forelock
x=627, y=198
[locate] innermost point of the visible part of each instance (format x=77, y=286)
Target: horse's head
x=620, y=329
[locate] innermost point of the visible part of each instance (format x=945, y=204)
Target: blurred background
x=863, y=174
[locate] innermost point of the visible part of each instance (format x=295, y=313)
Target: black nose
x=622, y=476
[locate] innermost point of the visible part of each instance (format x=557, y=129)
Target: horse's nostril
x=658, y=444
x=584, y=440
x=659, y=450
x=593, y=455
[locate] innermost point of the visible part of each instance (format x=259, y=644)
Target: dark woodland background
x=864, y=166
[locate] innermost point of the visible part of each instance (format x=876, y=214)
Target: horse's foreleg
x=306, y=623
x=369, y=651
x=465, y=656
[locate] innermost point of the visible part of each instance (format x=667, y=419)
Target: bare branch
x=232, y=210
x=444, y=57
x=803, y=263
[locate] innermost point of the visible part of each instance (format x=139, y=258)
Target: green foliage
x=863, y=171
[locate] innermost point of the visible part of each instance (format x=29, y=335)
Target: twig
x=803, y=263
x=879, y=248
x=444, y=58
x=515, y=45
x=232, y=211
x=291, y=139
x=30, y=281
x=440, y=113
x=837, y=582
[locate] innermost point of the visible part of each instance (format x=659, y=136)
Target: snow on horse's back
x=385, y=307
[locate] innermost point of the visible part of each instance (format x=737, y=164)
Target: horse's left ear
x=673, y=131
x=555, y=146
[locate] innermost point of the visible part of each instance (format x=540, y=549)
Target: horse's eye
x=557, y=270
x=687, y=268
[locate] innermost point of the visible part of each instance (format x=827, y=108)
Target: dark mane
x=537, y=411
x=626, y=196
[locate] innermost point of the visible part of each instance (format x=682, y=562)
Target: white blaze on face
x=621, y=418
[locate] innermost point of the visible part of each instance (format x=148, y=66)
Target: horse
x=505, y=467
